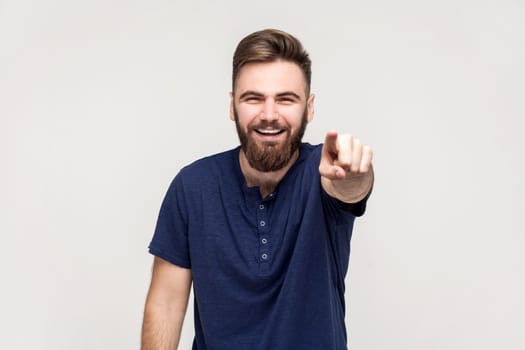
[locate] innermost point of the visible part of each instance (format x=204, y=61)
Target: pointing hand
x=344, y=157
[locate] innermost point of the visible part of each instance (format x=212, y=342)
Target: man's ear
x=310, y=108
x=232, y=106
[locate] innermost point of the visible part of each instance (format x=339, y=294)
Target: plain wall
x=102, y=102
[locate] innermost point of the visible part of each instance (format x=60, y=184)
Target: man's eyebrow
x=288, y=94
x=250, y=93
x=281, y=94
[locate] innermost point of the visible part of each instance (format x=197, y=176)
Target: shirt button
x=264, y=241
x=262, y=223
x=261, y=206
x=264, y=256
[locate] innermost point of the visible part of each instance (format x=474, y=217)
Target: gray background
x=102, y=102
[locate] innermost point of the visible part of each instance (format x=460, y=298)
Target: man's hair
x=270, y=45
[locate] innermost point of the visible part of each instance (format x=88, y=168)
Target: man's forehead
x=271, y=78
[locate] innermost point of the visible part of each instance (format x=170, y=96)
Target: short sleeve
x=170, y=240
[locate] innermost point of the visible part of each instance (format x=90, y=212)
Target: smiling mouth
x=269, y=132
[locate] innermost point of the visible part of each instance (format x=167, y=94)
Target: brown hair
x=269, y=45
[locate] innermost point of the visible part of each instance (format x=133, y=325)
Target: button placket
x=263, y=229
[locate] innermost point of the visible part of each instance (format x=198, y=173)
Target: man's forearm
x=162, y=327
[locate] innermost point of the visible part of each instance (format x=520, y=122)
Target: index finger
x=330, y=142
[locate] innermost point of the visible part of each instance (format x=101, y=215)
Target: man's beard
x=270, y=156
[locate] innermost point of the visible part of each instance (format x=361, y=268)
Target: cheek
x=293, y=114
x=248, y=114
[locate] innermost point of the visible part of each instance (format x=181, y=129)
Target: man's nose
x=269, y=111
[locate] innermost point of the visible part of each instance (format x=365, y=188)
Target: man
x=263, y=231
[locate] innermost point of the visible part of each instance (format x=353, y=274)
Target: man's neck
x=266, y=181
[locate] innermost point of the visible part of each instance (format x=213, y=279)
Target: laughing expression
x=270, y=110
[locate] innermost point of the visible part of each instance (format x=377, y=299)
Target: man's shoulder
x=210, y=166
x=311, y=149
x=310, y=153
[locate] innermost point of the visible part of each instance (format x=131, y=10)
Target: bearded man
x=261, y=231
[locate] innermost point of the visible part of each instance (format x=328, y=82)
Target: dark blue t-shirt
x=268, y=273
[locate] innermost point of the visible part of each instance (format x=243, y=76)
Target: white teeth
x=269, y=132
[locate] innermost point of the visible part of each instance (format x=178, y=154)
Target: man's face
x=270, y=109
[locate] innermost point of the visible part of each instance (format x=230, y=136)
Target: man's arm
x=346, y=168
x=165, y=306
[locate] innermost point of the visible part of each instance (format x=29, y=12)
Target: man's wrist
x=351, y=190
